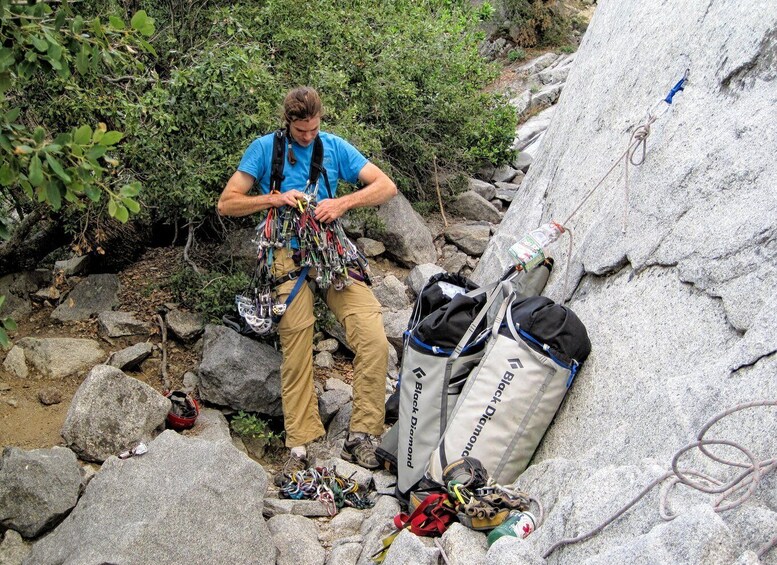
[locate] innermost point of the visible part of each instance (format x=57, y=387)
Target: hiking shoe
x=294, y=464
x=362, y=452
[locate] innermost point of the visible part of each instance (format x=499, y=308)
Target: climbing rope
x=328, y=487
x=752, y=473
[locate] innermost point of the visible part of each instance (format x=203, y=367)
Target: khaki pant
x=357, y=309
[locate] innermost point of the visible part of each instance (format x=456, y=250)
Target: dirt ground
x=27, y=423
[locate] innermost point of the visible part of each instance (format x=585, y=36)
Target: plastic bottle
x=518, y=524
x=528, y=252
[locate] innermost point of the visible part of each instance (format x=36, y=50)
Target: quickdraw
x=328, y=487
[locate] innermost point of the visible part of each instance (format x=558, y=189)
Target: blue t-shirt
x=341, y=160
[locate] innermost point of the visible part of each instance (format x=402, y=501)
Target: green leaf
x=77, y=150
x=77, y=25
x=40, y=43
x=10, y=324
x=52, y=148
x=142, y=23
x=53, y=195
x=130, y=189
x=77, y=187
x=122, y=214
x=97, y=135
x=23, y=150
x=82, y=61
x=7, y=176
x=4, y=233
x=35, y=171
x=93, y=193
x=12, y=114
x=116, y=22
x=82, y=135
x=6, y=58
x=96, y=152
x=147, y=46
x=6, y=82
x=55, y=64
x=4, y=338
x=2, y=300
x=131, y=205
x=62, y=139
x=112, y=138
x=38, y=135
x=112, y=208
x=56, y=166
x=55, y=51
x=27, y=188
x=59, y=20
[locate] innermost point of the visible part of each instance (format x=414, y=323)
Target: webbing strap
x=303, y=274
x=431, y=517
x=278, y=157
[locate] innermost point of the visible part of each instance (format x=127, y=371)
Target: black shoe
x=362, y=452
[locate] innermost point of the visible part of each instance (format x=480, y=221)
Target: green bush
x=516, y=55
x=536, y=22
x=251, y=426
x=212, y=294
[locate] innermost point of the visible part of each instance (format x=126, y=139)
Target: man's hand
x=288, y=198
x=329, y=209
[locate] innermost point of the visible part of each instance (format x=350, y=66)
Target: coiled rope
x=746, y=481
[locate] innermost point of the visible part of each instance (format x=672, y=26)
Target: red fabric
x=430, y=518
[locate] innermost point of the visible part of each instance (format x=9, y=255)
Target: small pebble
x=4, y=386
x=11, y=402
x=49, y=396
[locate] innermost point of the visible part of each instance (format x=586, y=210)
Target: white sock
x=300, y=452
x=353, y=436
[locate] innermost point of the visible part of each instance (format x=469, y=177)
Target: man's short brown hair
x=301, y=103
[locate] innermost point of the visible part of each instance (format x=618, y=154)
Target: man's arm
x=377, y=189
x=235, y=200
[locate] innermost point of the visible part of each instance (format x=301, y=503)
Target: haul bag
x=511, y=397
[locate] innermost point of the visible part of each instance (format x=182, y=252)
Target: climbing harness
x=747, y=480
x=328, y=487
x=317, y=246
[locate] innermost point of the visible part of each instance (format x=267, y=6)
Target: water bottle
x=528, y=252
x=518, y=524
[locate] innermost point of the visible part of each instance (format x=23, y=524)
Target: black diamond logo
x=515, y=363
x=419, y=372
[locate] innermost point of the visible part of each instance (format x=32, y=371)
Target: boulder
x=37, y=488
x=324, y=359
x=58, y=357
x=395, y=324
x=406, y=237
x=13, y=549
x=239, y=372
x=94, y=294
x=546, y=96
x=110, y=413
x=472, y=206
x=534, y=66
x=464, y=546
x=504, y=173
x=330, y=401
x=370, y=247
x=420, y=275
x=391, y=293
x=471, y=237
x=333, y=383
x=330, y=345
x=529, y=130
x=73, y=266
x=521, y=102
x=296, y=538
x=49, y=395
x=185, y=501
x=120, y=324
x=186, y=326
x=16, y=363
x=506, y=191
x=410, y=548
x=483, y=188
x=130, y=357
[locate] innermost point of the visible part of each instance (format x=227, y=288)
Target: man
x=354, y=305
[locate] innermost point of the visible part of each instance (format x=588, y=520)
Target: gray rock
x=186, y=326
x=211, y=425
x=37, y=488
x=508, y=550
x=346, y=523
x=420, y=275
x=330, y=402
x=471, y=237
x=111, y=412
x=16, y=363
x=73, y=266
x=57, y=357
x=280, y=506
x=296, y=538
x=522, y=102
x=345, y=554
x=337, y=331
x=13, y=549
x=534, y=66
x=240, y=246
x=392, y=371
x=407, y=239
x=131, y=357
x=522, y=162
x=324, y=359
x=546, y=96
x=391, y=293
x=558, y=71
x=49, y=294
x=329, y=345
x=483, y=188
x=452, y=260
x=333, y=383
x=530, y=130
x=370, y=247
x=240, y=372
x=507, y=191
x=49, y=395
x=505, y=173
x=535, y=146
x=151, y=505
x=190, y=381
x=377, y=526
x=94, y=294
x=409, y=548
x=472, y=206
x=16, y=287
x=395, y=324
x=338, y=427
x=464, y=546
x=119, y=324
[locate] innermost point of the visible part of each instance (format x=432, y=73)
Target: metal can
x=518, y=524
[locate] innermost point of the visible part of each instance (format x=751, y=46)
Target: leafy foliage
x=250, y=425
x=536, y=22
x=212, y=293
x=6, y=325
